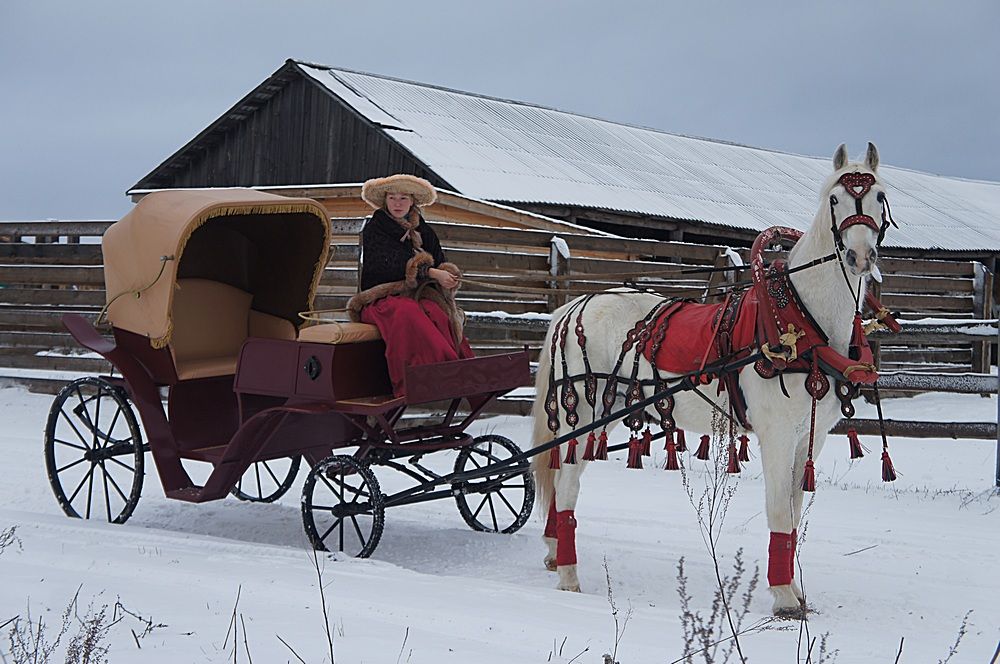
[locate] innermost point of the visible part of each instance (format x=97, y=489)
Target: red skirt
x=414, y=333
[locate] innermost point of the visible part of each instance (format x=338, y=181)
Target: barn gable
x=287, y=131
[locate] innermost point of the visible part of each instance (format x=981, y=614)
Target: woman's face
x=398, y=205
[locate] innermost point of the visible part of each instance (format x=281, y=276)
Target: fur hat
x=374, y=191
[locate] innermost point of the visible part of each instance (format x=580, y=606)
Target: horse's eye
x=881, y=197
x=833, y=200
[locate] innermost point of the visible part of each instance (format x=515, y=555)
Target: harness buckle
x=788, y=341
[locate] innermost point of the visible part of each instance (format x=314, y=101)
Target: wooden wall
x=298, y=134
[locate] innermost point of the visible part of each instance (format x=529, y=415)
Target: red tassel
x=702, y=452
x=856, y=449
x=681, y=443
x=647, y=440
x=634, y=453
x=669, y=441
x=744, y=448
x=672, y=455
x=554, y=458
x=602, y=447
x=734, y=461
x=809, y=478
x=571, y=452
x=888, y=472
x=588, y=453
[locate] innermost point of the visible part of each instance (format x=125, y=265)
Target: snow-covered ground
x=879, y=563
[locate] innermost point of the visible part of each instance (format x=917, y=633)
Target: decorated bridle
x=858, y=185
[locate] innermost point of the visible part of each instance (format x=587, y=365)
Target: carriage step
x=191, y=494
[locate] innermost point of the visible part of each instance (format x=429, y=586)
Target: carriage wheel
x=94, y=451
x=343, y=508
x=266, y=481
x=499, y=503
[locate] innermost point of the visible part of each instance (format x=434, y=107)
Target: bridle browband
x=858, y=185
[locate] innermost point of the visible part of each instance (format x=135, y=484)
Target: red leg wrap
x=791, y=559
x=780, y=559
x=566, y=529
x=550, y=522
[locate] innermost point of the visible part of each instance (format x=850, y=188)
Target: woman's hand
x=446, y=279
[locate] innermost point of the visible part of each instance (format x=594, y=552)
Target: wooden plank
x=930, y=355
x=76, y=228
x=36, y=339
x=922, y=382
x=497, y=261
x=893, y=283
x=910, y=429
x=59, y=254
x=52, y=297
x=927, y=303
x=51, y=274
x=92, y=365
x=47, y=320
x=899, y=266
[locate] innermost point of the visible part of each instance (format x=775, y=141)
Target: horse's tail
x=544, y=474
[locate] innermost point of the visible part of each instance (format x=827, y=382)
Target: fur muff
x=418, y=286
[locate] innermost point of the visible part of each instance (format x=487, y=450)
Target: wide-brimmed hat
x=374, y=191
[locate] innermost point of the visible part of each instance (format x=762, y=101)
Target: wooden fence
x=52, y=267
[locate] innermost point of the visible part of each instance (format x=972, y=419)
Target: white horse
x=781, y=423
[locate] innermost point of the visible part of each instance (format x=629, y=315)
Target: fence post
x=982, y=303
x=558, y=267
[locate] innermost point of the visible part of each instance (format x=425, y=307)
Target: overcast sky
x=94, y=94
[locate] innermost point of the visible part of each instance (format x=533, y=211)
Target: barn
x=310, y=124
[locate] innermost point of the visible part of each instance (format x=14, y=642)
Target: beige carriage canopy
x=270, y=246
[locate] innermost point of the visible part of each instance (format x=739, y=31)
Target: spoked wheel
x=266, y=481
x=343, y=508
x=94, y=451
x=500, y=502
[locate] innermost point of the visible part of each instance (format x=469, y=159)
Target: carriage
x=206, y=291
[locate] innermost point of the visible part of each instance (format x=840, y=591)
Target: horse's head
x=858, y=211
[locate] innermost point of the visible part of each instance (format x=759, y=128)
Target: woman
x=407, y=287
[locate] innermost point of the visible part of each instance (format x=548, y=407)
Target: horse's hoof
x=792, y=612
x=550, y=564
x=571, y=588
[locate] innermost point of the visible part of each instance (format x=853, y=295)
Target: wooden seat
x=340, y=333
x=211, y=320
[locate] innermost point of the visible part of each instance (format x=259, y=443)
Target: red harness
x=771, y=316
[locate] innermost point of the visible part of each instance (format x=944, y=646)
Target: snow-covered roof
x=502, y=150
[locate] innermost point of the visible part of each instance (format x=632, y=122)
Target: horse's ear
x=840, y=157
x=871, y=158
